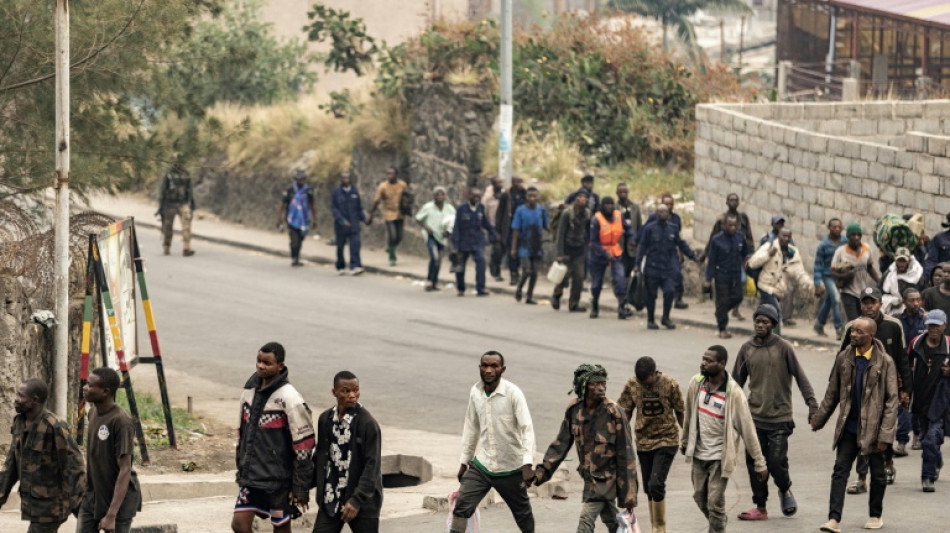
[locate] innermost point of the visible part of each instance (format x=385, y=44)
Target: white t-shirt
x=711, y=412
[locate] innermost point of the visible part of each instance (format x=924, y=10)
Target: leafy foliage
x=676, y=13
x=351, y=48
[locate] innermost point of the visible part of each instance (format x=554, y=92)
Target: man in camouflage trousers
x=175, y=198
x=46, y=461
x=605, y=450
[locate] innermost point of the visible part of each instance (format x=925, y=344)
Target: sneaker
x=518, y=295
x=577, y=309
x=356, y=271
x=556, y=303
x=296, y=264
x=461, y=294
x=392, y=262
x=498, y=278
x=915, y=445
x=819, y=330
x=875, y=522
x=680, y=304
x=890, y=473
x=483, y=294
x=839, y=332
x=725, y=335
x=928, y=486
x=340, y=272
x=900, y=450
x=531, y=301
x=789, y=323
x=831, y=526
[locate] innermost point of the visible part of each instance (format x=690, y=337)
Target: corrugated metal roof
x=933, y=11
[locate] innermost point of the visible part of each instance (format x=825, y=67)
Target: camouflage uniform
x=175, y=198
x=607, y=456
x=50, y=470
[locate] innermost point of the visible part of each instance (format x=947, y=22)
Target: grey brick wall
x=812, y=162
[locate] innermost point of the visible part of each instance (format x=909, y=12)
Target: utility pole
x=505, y=115
x=61, y=227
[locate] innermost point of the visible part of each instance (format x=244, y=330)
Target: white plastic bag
x=627, y=522
x=557, y=272
x=473, y=522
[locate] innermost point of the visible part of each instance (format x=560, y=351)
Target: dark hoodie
x=927, y=373
x=769, y=368
x=275, y=438
x=939, y=412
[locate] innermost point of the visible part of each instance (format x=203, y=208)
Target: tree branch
x=92, y=55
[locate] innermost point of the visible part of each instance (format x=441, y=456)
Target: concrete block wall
x=813, y=162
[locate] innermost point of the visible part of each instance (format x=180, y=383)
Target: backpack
x=176, y=189
x=406, y=202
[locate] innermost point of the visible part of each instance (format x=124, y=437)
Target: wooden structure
x=902, y=47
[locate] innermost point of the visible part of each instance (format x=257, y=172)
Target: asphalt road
x=416, y=355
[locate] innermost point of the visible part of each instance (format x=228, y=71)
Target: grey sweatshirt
x=769, y=369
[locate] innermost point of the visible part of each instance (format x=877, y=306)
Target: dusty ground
x=210, y=451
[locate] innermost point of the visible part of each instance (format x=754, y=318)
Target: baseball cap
x=902, y=252
x=777, y=218
x=871, y=292
x=937, y=317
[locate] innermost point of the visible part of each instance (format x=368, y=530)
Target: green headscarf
x=587, y=374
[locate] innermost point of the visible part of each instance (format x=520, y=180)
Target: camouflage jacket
x=605, y=448
x=49, y=467
x=658, y=409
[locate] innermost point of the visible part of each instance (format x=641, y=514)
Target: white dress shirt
x=498, y=432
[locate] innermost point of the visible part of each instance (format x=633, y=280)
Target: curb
x=692, y=322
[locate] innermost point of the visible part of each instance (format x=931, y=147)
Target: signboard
x=115, y=250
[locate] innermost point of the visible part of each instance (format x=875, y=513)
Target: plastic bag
x=637, y=290
x=557, y=272
x=473, y=522
x=627, y=522
x=750, y=288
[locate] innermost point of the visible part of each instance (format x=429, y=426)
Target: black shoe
x=556, y=303
x=622, y=313
x=518, y=295
x=652, y=325
x=514, y=280
x=483, y=294
x=680, y=304
x=577, y=309
x=668, y=324
x=498, y=278
x=531, y=301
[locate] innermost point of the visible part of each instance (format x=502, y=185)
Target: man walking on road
x=675, y=220
x=571, y=243
x=717, y=418
x=605, y=450
x=769, y=364
x=508, y=204
x=782, y=269
x=299, y=212
x=863, y=383
x=630, y=212
x=743, y=226
x=938, y=296
x=497, y=447
x=659, y=243
x=468, y=239
x=658, y=403
x=936, y=424
x=927, y=353
x=527, y=225
x=348, y=463
x=608, y=232
x=853, y=265
x=175, y=198
x=347, y=209
x=912, y=320
x=46, y=461
x=390, y=195
x=587, y=187
x=727, y=255
x=436, y=218
x=275, y=447
x=498, y=251
x=112, y=494
x=825, y=284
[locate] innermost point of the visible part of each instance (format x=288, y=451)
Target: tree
x=351, y=48
x=676, y=13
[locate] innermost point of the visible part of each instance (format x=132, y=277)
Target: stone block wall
x=815, y=161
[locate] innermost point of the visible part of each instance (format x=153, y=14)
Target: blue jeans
x=904, y=425
x=830, y=303
x=344, y=236
x=478, y=255
x=598, y=267
x=932, y=458
x=435, y=259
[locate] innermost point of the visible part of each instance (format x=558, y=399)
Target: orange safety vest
x=611, y=233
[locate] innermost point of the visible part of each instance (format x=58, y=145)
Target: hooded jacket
x=878, y=421
x=927, y=374
x=777, y=273
x=738, y=425
x=769, y=368
x=275, y=438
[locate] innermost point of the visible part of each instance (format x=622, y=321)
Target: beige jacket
x=739, y=425
x=776, y=275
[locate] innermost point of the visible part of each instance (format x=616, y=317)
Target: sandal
x=789, y=505
x=858, y=487
x=753, y=514
x=890, y=473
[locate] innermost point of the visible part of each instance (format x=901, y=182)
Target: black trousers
x=394, y=232
x=665, y=284
x=334, y=524
x=296, y=242
x=497, y=254
x=848, y=451
x=852, y=307
x=475, y=485
x=574, y=279
x=655, y=467
x=728, y=295
x=774, y=443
